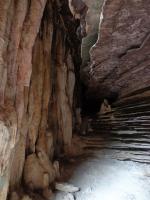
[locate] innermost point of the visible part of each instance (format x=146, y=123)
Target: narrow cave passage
x=115, y=163
x=74, y=100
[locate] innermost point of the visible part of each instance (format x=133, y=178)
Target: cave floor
x=118, y=167
x=102, y=177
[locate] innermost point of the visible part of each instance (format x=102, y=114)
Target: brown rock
x=35, y=176
x=26, y=197
x=79, y=10
x=38, y=48
x=120, y=58
x=14, y=196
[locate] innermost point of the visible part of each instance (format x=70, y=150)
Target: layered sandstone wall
x=120, y=59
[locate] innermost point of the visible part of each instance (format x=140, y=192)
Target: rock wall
x=92, y=21
x=39, y=57
x=120, y=59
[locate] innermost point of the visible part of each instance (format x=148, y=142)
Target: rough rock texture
x=92, y=26
x=39, y=53
x=79, y=10
x=121, y=56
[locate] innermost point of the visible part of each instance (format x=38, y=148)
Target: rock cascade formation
x=120, y=59
x=39, y=57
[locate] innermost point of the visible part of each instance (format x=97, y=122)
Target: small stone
x=65, y=187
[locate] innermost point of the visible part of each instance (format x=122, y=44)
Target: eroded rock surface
x=92, y=26
x=39, y=53
x=120, y=58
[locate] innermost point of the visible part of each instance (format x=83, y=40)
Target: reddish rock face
x=121, y=56
x=39, y=54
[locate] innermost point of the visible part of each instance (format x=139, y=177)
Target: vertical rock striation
x=39, y=57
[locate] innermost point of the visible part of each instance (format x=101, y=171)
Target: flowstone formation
x=39, y=61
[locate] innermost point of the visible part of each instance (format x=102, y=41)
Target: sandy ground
x=102, y=177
